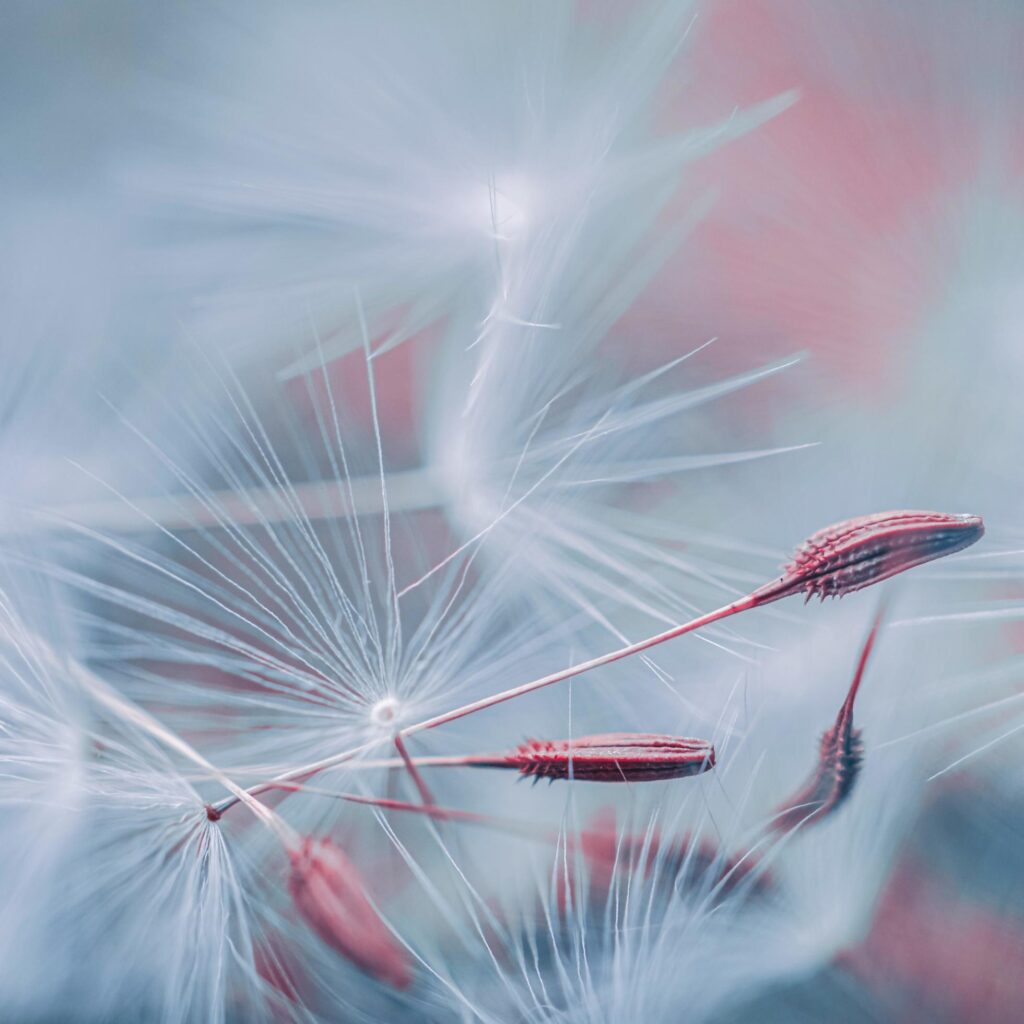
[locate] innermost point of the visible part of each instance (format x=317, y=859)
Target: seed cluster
x=838, y=560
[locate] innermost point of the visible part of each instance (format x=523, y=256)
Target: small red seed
x=857, y=553
x=329, y=894
x=614, y=757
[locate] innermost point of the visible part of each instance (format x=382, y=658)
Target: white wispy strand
x=668, y=930
x=407, y=455
x=117, y=890
x=359, y=160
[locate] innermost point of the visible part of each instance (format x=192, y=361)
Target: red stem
x=862, y=662
x=762, y=596
x=584, y=666
x=425, y=793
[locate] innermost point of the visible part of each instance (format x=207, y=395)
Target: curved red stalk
x=410, y=766
x=840, y=755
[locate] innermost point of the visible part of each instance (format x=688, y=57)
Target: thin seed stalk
x=840, y=559
x=744, y=604
x=305, y=771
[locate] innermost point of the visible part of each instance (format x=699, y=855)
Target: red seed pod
x=329, y=894
x=854, y=554
x=614, y=757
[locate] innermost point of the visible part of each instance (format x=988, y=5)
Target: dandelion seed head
x=410, y=199
x=252, y=724
x=131, y=888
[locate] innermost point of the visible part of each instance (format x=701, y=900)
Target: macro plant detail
x=859, y=552
x=615, y=757
x=407, y=404
x=840, y=754
x=330, y=896
x=839, y=559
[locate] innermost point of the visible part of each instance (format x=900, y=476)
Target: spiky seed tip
x=331, y=898
x=854, y=554
x=615, y=757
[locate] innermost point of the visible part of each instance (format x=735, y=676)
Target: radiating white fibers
x=370, y=372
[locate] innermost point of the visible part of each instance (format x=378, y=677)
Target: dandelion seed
x=859, y=552
x=840, y=755
x=614, y=757
x=834, y=561
x=324, y=884
x=137, y=898
x=696, y=861
x=332, y=900
x=605, y=757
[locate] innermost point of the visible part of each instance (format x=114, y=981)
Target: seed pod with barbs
x=614, y=757
x=856, y=553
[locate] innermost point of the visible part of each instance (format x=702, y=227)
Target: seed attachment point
x=385, y=713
